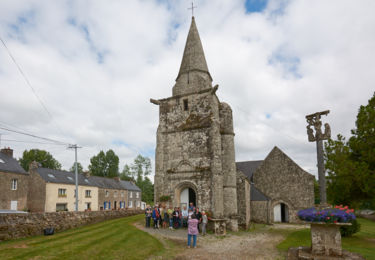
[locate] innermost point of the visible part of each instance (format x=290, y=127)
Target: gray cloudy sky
x=95, y=64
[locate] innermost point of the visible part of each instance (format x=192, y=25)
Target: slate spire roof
x=193, y=58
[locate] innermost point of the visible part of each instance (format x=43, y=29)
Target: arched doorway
x=187, y=196
x=281, y=213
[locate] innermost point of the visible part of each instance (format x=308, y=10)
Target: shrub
x=165, y=198
x=347, y=231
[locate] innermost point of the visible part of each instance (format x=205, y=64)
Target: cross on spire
x=192, y=9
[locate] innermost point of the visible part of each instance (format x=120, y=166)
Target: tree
x=43, y=157
x=351, y=164
x=104, y=164
x=138, y=172
x=127, y=174
x=73, y=168
x=141, y=167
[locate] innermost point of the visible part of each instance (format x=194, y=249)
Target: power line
x=35, y=136
x=31, y=142
x=28, y=82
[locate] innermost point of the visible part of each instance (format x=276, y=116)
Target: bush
x=347, y=231
x=165, y=198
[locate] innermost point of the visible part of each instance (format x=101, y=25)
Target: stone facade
x=243, y=200
x=14, y=226
x=195, y=139
x=8, y=194
x=111, y=199
x=286, y=184
x=14, y=183
x=260, y=211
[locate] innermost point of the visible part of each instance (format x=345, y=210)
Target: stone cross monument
x=194, y=158
x=313, y=120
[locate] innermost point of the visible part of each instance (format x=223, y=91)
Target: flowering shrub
x=338, y=214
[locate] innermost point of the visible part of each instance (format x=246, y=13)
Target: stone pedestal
x=325, y=244
x=326, y=239
x=218, y=226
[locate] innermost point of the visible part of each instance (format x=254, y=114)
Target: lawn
x=363, y=242
x=113, y=239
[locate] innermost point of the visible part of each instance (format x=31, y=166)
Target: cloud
x=95, y=64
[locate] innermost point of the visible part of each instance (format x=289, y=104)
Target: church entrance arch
x=185, y=193
x=187, y=196
x=281, y=213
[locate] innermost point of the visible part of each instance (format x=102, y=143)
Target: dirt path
x=241, y=245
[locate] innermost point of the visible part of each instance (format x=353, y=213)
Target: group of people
x=190, y=218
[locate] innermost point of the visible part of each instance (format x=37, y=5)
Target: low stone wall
x=14, y=226
x=259, y=211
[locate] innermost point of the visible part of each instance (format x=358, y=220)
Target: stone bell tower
x=195, y=160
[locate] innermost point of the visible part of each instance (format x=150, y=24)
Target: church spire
x=193, y=58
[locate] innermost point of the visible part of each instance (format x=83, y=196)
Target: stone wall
x=282, y=180
x=243, y=200
x=37, y=191
x=14, y=226
x=19, y=195
x=259, y=211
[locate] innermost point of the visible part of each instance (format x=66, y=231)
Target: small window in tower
x=186, y=105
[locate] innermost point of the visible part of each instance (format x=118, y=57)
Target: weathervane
x=313, y=120
x=192, y=9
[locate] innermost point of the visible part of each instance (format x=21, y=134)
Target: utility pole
x=314, y=120
x=75, y=147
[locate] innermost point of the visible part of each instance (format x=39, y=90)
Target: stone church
x=195, y=155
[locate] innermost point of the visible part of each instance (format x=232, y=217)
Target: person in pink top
x=192, y=230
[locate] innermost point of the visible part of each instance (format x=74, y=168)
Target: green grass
x=362, y=242
x=113, y=239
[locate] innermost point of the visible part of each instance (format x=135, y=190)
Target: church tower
x=195, y=160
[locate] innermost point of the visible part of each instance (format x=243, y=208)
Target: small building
x=134, y=194
x=13, y=182
x=54, y=190
x=279, y=188
x=112, y=194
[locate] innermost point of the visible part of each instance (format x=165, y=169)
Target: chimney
x=33, y=165
x=117, y=178
x=7, y=151
x=86, y=174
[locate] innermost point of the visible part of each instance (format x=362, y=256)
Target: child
x=192, y=230
x=204, y=223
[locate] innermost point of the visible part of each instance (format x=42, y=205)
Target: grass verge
x=362, y=242
x=113, y=239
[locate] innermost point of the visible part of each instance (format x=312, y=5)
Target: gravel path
x=242, y=245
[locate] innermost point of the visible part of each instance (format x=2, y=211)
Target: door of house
x=277, y=213
x=13, y=205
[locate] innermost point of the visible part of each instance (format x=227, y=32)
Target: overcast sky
x=96, y=64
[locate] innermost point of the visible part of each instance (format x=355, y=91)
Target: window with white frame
x=115, y=194
x=130, y=204
x=62, y=193
x=137, y=194
x=122, y=194
x=88, y=193
x=61, y=207
x=106, y=193
x=138, y=204
x=14, y=184
x=131, y=194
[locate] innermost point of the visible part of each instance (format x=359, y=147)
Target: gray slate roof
x=248, y=167
x=9, y=164
x=130, y=186
x=57, y=176
x=257, y=195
